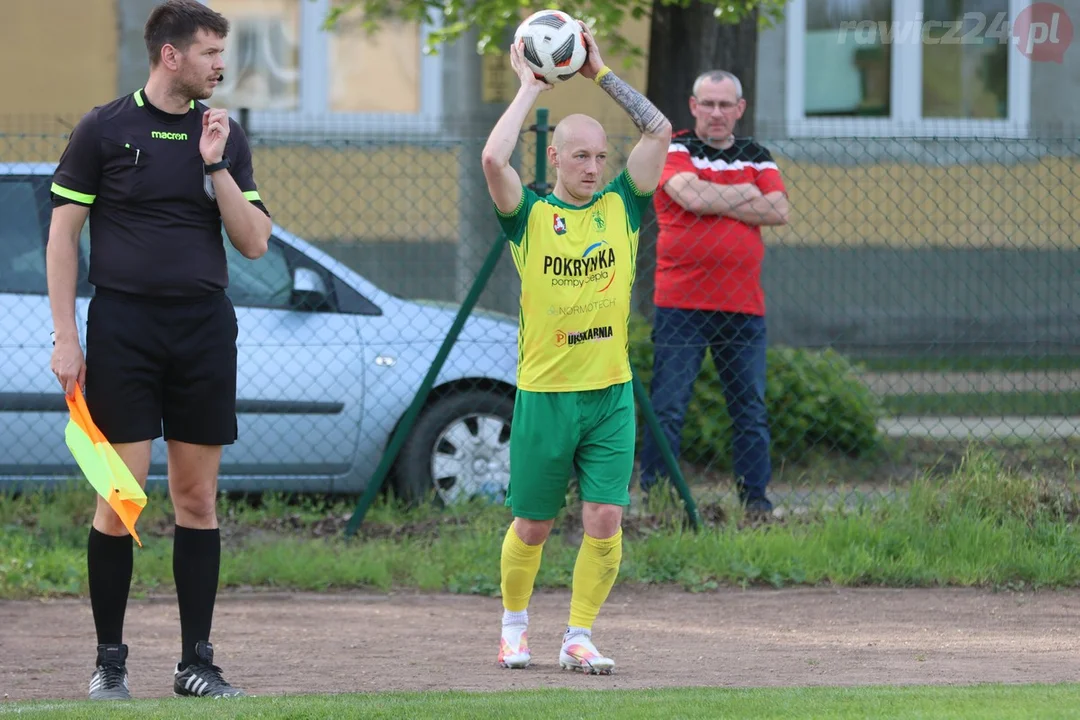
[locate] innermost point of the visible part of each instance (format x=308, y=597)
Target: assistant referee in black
x=157, y=172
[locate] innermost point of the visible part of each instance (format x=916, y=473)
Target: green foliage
x=983, y=489
x=495, y=19
x=982, y=526
x=814, y=399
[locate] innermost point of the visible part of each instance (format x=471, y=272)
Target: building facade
x=930, y=151
x=920, y=140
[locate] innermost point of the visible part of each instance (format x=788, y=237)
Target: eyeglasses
x=711, y=105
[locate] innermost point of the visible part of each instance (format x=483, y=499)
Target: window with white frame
x=262, y=53
x=905, y=67
x=290, y=73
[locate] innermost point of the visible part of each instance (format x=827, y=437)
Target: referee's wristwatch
x=222, y=165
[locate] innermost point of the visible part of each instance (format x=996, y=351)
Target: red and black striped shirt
x=711, y=262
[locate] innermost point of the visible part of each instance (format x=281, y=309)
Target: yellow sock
x=594, y=575
x=520, y=563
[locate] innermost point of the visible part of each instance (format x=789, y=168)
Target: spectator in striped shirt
x=715, y=194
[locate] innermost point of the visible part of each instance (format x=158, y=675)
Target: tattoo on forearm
x=644, y=114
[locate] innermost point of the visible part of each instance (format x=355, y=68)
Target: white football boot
x=514, y=646
x=579, y=653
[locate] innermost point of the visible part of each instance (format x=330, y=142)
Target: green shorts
x=554, y=434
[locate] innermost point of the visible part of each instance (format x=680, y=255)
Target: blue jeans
x=737, y=343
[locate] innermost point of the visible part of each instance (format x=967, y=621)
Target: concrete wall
x=134, y=63
x=769, y=95
x=1055, y=88
x=954, y=300
x=891, y=242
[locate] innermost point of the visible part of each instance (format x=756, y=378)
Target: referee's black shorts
x=162, y=366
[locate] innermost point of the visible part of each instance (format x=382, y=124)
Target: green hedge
x=814, y=398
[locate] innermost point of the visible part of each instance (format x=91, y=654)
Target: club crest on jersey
x=598, y=219
x=559, y=225
x=208, y=186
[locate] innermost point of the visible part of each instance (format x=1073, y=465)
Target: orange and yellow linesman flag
x=102, y=466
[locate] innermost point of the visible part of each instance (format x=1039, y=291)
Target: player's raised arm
x=646, y=161
x=503, y=182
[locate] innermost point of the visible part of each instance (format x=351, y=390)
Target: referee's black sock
x=109, y=561
x=196, y=562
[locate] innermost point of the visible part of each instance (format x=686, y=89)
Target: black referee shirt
x=155, y=226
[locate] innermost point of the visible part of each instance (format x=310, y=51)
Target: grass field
x=991, y=404
x=969, y=363
x=1056, y=402
x=982, y=526
x=987, y=702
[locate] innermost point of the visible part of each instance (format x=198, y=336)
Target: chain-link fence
x=920, y=297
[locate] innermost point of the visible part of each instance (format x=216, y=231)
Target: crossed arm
x=743, y=202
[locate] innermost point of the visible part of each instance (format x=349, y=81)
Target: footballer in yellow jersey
x=577, y=267
x=575, y=251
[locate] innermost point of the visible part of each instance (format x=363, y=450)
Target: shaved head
x=577, y=128
x=578, y=151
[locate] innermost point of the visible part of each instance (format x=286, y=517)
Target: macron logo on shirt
x=157, y=135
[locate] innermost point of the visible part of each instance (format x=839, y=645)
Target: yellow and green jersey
x=577, y=267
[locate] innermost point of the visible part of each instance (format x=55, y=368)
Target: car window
x=266, y=282
x=22, y=240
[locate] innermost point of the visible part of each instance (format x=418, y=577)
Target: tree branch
x=492, y=18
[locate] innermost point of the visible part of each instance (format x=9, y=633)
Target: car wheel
x=458, y=450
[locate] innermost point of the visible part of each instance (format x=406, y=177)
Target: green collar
x=567, y=206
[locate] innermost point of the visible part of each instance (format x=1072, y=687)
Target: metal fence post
x=665, y=449
x=407, y=423
x=377, y=481
x=540, y=184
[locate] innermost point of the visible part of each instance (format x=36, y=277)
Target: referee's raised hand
x=215, y=134
x=68, y=364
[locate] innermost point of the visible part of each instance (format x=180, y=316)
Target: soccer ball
x=552, y=44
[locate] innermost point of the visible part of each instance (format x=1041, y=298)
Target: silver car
x=328, y=366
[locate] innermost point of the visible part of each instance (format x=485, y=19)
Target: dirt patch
x=272, y=644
